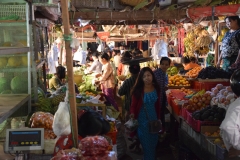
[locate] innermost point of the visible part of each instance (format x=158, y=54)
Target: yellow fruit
x=24, y=60
x=14, y=62
x=3, y=62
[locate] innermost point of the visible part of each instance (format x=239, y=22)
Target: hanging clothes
x=181, y=35
x=163, y=49
x=80, y=56
x=159, y=49
x=144, y=45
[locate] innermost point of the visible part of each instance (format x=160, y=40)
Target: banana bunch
x=234, y=2
x=203, y=41
x=189, y=43
x=202, y=50
x=188, y=54
x=204, y=33
x=198, y=30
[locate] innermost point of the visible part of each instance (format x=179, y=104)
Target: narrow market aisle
x=164, y=151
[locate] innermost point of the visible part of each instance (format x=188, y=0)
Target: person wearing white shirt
x=96, y=66
x=117, y=58
x=230, y=127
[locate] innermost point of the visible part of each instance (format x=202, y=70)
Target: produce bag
x=61, y=121
x=94, y=146
x=41, y=120
x=68, y=154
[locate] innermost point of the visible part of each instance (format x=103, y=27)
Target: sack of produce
x=43, y=120
x=68, y=154
x=93, y=146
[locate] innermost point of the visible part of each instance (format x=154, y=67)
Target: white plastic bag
x=61, y=122
x=131, y=124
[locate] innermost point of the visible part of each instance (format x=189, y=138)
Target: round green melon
x=4, y=84
x=19, y=85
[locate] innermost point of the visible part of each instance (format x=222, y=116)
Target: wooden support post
x=69, y=61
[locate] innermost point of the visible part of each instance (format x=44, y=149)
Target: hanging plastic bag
x=61, y=121
x=163, y=51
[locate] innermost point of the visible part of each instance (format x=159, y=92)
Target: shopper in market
x=123, y=69
x=57, y=80
x=125, y=90
x=90, y=123
x=117, y=58
x=230, y=127
x=189, y=63
x=230, y=48
x=162, y=80
x=126, y=87
x=146, y=94
x=96, y=66
x=107, y=79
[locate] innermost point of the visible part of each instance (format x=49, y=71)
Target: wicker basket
x=90, y=3
x=133, y=2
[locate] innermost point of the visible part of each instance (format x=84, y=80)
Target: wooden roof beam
x=133, y=15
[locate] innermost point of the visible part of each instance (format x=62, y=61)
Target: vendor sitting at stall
x=189, y=63
x=96, y=66
x=230, y=125
x=90, y=123
x=57, y=80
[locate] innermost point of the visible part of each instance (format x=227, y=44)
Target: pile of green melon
x=15, y=85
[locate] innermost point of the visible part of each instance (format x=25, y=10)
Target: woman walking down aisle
x=145, y=93
x=107, y=79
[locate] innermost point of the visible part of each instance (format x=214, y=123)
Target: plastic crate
x=196, y=124
x=211, y=146
x=189, y=118
x=184, y=113
x=190, y=131
x=196, y=136
x=221, y=152
x=184, y=126
x=176, y=108
x=199, y=85
x=204, y=138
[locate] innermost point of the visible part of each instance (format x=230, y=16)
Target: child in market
x=90, y=123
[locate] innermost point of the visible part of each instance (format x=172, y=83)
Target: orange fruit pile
x=193, y=73
x=187, y=91
x=177, y=80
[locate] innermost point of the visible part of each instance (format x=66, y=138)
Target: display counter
x=196, y=148
x=9, y=103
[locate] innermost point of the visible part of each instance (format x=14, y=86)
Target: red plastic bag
x=96, y=145
x=68, y=154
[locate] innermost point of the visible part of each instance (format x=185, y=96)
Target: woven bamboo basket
x=133, y=2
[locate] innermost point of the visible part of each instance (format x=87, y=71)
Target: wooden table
x=94, y=105
x=9, y=103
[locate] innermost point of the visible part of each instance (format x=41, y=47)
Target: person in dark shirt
x=161, y=75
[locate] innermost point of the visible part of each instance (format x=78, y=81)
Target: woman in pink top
x=107, y=79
